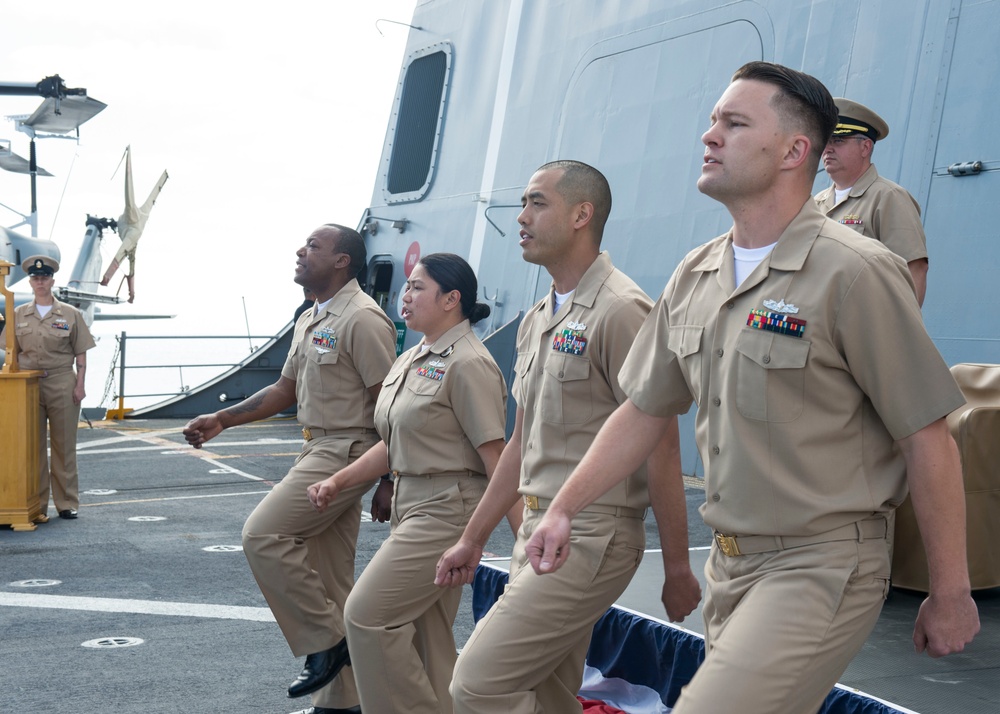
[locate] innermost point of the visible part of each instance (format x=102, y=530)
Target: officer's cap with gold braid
x=855, y=118
x=40, y=265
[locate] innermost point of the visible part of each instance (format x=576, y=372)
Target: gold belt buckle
x=727, y=544
x=307, y=433
x=531, y=503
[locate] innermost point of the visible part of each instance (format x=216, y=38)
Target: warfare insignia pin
x=435, y=363
x=780, y=306
x=575, y=326
x=852, y=219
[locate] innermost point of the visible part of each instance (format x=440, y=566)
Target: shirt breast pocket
x=420, y=394
x=566, y=397
x=770, y=376
x=325, y=364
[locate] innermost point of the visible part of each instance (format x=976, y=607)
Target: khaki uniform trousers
x=303, y=560
x=399, y=623
x=60, y=416
x=781, y=627
x=526, y=655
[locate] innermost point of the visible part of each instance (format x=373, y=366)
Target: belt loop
x=861, y=531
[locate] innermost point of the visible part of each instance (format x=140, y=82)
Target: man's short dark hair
x=801, y=101
x=350, y=241
x=581, y=182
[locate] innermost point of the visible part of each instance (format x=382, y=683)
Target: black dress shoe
x=329, y=710
x=69, y=513
x=320, y=669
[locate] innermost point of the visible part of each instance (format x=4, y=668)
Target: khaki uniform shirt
x=437, y=407
x=804, y=377
x=567, y=379
x=879, y=209
x=52, y=342
x=336, y=356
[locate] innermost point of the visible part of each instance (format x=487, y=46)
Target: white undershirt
x=746, y=259
x=320, y=307
x=840, y=195
x=559, y=299
x=42, y=310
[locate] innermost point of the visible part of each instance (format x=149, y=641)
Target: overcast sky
x=269, y=119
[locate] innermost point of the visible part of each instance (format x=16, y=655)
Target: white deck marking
x=174, y=446
x=139, y=607
x=174, y=498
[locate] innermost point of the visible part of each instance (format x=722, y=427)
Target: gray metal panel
x=502, y=344
x=624, y=112
x=961, y=221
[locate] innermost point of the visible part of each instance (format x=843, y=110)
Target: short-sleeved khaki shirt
x=879, y=209
x=566, y=379
x=336, y=356
x=804, y=377
x=51, y=342
x=437, y=406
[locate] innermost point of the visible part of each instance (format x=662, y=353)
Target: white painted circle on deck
x=223, y=548
x=147, y=519
x=100, y=492
x=112, y=642
x=36, y=583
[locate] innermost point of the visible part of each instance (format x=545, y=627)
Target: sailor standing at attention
x=53, y=337
x=441, y=415
x=821, y=398
x=303, y=560
x=866, y=202
x=527, y=653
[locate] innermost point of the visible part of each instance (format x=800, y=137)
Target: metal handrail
x=122, y=366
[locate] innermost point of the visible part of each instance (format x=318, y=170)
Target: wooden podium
x=19, y=503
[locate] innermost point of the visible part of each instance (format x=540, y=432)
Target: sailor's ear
x=797, y=151
x=582, y=214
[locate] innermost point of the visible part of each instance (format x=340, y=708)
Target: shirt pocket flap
x=424, y=386
x=685, y=340
x=523, y=363
x=771, y=351
x=567, y=368
x=327, y=357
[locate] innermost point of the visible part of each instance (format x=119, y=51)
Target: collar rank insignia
x=60, y=324
x=324, y=339
x=852, y=219
x=781, y=306
x=776, y=322
x=570, y=341
x=448, y=350
x=431, y=371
